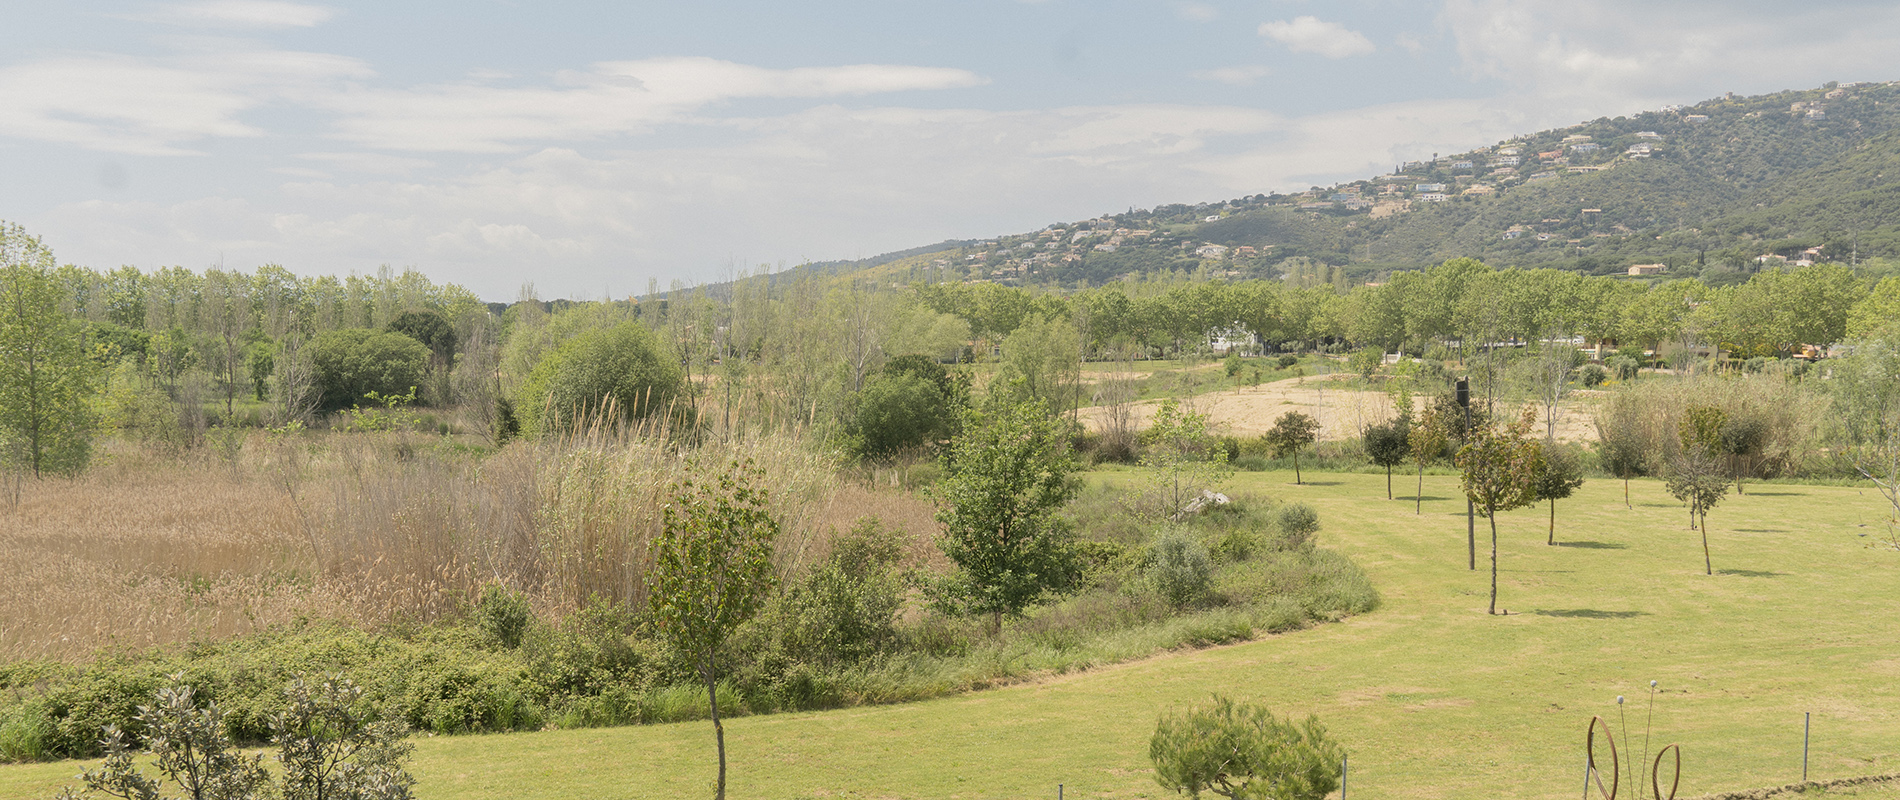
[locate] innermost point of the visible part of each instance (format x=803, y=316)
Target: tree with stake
x=1005, y=476
x=1499, y=465
x=1292, y=432
x=1388, y=445
x=1558, y=476
x=712, y=567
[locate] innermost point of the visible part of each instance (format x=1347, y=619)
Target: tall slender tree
x=1500, y=466
x=46, y=381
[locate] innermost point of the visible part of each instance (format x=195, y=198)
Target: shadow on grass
x=1760, y=530
x=1595, y=545
x=1427, y=498
x=1778, y=494
x=1750, y=573
x=1588, y=613
x=1321, y=483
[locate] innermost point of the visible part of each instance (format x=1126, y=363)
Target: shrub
x=623, y=368
x=1179, y=569
x=503, y=615
x=1244, y=751
x=1297, y=523
x=1592, y=376
x=1287, y=361
x=350, y=364
x=846, y=610
x=895, y=413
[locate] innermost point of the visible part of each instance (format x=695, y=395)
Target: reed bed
x=149, y=549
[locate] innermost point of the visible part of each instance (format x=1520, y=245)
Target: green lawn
x=1433, y=698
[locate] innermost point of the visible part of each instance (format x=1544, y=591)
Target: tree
x=1499, y=465
x=1182, y=457
x=1620, y=450
x=1388, y=445
x=1292, y=432
x=347, y=365
x=1558, y=476
x=621, y=367
x=912, y=403
x=712, y=567
x=1004, y=478
x=1428, y=439
x=1244, y=751
x=1867, y=401
x=1742, y=438
x=1042, y=361
x=46, y=381
x=1695, y=474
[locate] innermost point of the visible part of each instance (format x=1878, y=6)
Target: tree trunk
x=1493, y=516
x=1388, y=481
x=1707, y=565
x=1553, y=522
x=1626, y=493
x=1296, y=468
x=719, y=731
x=1418, y=500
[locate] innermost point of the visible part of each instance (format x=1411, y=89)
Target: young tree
x=46, y=381
x=1291, y=433
x=712, y=567
x=1696, y=478
x=1244, y=751
x=1499, y=465
x=1427, y=442
x=1182, y=457
x=1620, y=449
x=1742, y=438
x=1558, y=476
x=1388, y=445
x=1004, y=478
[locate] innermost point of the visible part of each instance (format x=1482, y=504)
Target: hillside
x=1708, y=189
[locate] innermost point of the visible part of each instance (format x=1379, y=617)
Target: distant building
x=1433, y=197
x=1648, y=135
x=1648, y=269
x=1462, y=165
x=1506, y=161
x=1815, y=113
x=1696, y=119
x=1211, y=218
x=1639, y=150
x=1585, y=147
x=1430, y=187
x=1211, y=251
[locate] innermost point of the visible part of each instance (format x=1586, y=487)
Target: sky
x=588, y=148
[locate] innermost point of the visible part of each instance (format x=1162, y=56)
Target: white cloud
x=614, y=98
x=370, y=163
x=1238, y=75
x=1625, y=54
x=266, y=14
x=1309, y=34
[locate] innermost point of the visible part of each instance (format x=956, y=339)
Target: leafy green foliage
x=1290, y=434
x=46, y=380
x=331, y=747
x=712, y=566
x=1182, y=457
x=1004, y=479
x=623, y=368
x=1388, y=445
x=429, y=327
x=1179, y=569
x=1559, y=474
x=845, y=611
x=350, y=364
x=504, y=615
x=1297, y=523
x=900, y=411
x=1499, y=466
x=1243, y=751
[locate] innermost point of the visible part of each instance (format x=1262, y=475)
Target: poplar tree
x=46, y=424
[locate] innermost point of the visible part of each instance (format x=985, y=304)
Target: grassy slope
x=1433, y=698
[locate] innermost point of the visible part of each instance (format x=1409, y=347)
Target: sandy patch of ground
x=1342, y=413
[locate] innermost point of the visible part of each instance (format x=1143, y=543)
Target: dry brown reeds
x=149, y=549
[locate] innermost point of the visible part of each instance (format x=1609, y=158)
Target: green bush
x=1244, y=751
x=1179, y=569
x=1297, y=523
x=349, y=364
x=623, y=368
x=1287, y=361
x=504, y=615
x=1592, y=376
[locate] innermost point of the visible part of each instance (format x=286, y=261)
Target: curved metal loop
x=1616, y=763
x=1675, y=779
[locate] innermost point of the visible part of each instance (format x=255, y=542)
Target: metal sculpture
x=1616, y=765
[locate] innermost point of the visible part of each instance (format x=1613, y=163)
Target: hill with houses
x=1716, y=190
